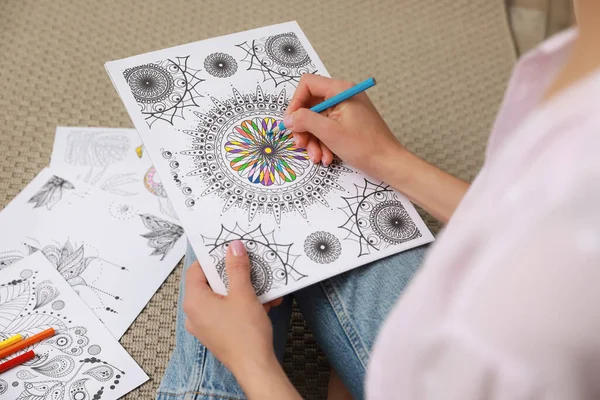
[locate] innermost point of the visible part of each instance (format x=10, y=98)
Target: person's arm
x=435, y=190
x=236, y=328
x=356, y=133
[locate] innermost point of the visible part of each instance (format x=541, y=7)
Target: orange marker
x=15, y=362
x=10, y=341
x=26, y=342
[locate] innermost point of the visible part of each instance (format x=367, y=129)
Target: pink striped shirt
x=507, y=303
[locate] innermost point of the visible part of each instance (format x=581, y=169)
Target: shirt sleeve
x=526, y=323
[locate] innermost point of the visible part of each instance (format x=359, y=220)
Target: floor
x=534, y=20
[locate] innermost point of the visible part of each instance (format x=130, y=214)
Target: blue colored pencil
x=335, y=100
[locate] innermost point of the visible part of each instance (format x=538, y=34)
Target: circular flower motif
x=322, y=247
x=220, y=65
x=261, y=275
x=286, y=50
x=150, y=83
x=391, y=222
x=263, y=158
x=153, y=183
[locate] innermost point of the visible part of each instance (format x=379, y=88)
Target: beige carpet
x=441, y=67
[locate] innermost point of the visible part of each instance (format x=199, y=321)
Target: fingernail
x=311, y=155
x=324, y=162
x=237, y=248
x=295, y=140
x=288, y=121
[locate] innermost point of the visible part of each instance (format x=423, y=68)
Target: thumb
x=305, y=120
x=237, y=265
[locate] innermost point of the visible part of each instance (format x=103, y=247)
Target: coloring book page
x=204, y=111
x=81, y=361
x=113, y=160
x=113, y=254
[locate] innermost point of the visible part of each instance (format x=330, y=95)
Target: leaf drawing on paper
x=61, y=369
x=113, y=184
x=280, y=58
x=51, y=193
x=162, y=236
x=164, y=89
x=96, y=150
x=13, y=299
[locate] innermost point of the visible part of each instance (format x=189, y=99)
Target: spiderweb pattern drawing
x=280, y=58
x=271, y=264
x=164, y=89
x=377, y=219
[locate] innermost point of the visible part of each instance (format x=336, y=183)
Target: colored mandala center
x=262, y=158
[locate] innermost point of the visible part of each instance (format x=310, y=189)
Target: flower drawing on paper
x=162, y=236
x=51, y=193
x=264, y=158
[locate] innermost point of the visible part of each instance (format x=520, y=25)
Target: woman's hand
x=353, y=129
x=236, y=328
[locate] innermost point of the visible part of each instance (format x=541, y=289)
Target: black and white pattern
x=58, y=371
x=311, y=183
x=72, y=262
x=51, y=193
x=377, y=218
x=164, y=89
x=272, y=265
x=220, y=65
x=322, y=247
x=162, y=236
x=280, y=58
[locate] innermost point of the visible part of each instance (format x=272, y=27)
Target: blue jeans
x=344, y=313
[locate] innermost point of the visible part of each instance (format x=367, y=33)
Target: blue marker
x=334, y=101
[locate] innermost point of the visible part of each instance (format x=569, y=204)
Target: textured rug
x=441, y=67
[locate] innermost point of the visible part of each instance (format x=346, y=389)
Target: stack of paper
x=82, y=249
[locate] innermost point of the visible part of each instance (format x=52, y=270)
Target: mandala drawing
x=271, y=264
x=60, y=369
x=264, y=158
x=51, y=193
x=162, y=236
x=177, y=177
x=241, y=162
x=164, y=89
x=220, y=65
x=322, y=247
x=377, y=219
x=280, y=58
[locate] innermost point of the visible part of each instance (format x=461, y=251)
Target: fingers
x=304, y=120
x=276, y=302
x=311, y=86
x=327, y=155
x=197, y=291
x=301, y=139
x=237, y=265
x=313, y=149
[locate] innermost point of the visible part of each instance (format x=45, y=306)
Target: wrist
x=394, y=165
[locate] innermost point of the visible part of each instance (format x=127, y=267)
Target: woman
x=504, y=305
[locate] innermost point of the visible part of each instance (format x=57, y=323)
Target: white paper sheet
x=115, y=255
x=113, y=160
x=203, y=111
x=81, y=361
